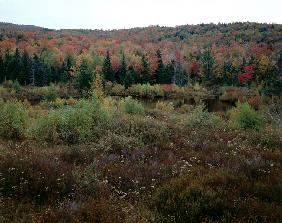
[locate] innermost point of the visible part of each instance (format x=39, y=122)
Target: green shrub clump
x=245, y=117
x=200, y=117
x=51, y=94
x=71, y=124
x=131, y=106
x=13, y=120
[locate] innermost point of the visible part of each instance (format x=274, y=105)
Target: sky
x=117, y=14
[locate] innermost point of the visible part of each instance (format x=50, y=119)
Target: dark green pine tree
x=84, y=76
x=17, y=65
x=36, y=76
x=65, y=70
x=169, y=71
x=130, y=78
x=107, y=69
x=207, y=65
x=25, y=69
x=2, y=69
x=160, y=72
x=145, y=76
x=8, y=65
x=121, y=74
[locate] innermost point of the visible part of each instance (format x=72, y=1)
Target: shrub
x=118, y=90
x=116, y=142
x=200, y=117
x=70, y=124
x=146, y=90
x=66, y=125
x=165, y=106
x=51, y=94
x=86, y=178
x=243, y=116
x=180, y=201
x=34, y=176
x=148, y=130
x=13, y=119
x=131, y=106
x=16, y=86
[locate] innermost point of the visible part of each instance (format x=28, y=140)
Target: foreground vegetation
x=101, y=159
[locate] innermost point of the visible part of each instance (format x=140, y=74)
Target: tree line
x=32, y=70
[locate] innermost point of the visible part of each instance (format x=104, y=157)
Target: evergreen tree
x=107, y=69
x=160, y=72
x=121, y=74
x=65, y=70
x=207, y=64
x=2, y=69
x=25, y=69
x=130, y=78
x=145, y=76
x=17, y=65
x=8, y=65
x=169, y=70
x=84, y=76
x=36, y=76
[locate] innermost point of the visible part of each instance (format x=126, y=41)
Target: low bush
x=243, y=116
x=148, y=130
x=146, y=91
x=164, y=106
x=13, y=120
x=51, y=94
x=131, y=106
x=71, y=124
x=86, y=180
x=216, y=196
x=200, y=117
x=35, y=177
x=118, y=90
x=114, y=142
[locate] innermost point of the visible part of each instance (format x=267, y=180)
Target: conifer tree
x=160, y=72
x=107, y=69
x=145, y=73
x=84, y=76
x=25, y=69
x=2, y=69
x=121, y=74
x=130, y=77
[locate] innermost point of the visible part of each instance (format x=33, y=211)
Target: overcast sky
x=114, y=14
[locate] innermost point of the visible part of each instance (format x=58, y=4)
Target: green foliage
x=70, y=124
x=51, y=94
x=13, y=120
x=84, y=76
x=118, y=90
x=200, y=117
x=86, y=178
x=149, y=131
x=245, y=117
x=16, y=86
x=131, y=106
x=164, y=106
x=107, y=69
x=146, y=91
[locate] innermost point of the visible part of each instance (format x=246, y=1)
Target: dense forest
x=237, y=54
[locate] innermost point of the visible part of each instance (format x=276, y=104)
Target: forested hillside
x=237, y=54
